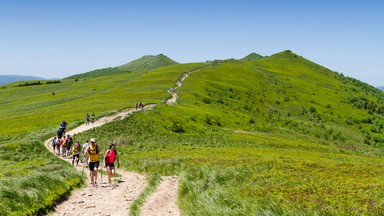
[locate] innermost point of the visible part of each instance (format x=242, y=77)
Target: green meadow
x=276, y=135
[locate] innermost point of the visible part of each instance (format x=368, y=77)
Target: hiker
x=76, y=153
x=63, y=146
x=93, y=117
x=94, y=153
x=63, y=125
x=69, y=144
x=109, y=161
x=141, y=105
x=85, y=146
x=136, y=105
x=60, y=133
x=58, y=146
x=54, y=144
x=88, y=119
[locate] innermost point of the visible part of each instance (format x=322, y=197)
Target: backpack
x=97, y=150
x=64, y=143
x=76, y=148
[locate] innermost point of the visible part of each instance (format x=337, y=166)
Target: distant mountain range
x=4, y=79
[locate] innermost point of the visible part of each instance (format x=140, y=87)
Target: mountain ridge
x=147, y=62
x=5, y=79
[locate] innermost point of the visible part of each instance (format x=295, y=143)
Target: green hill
x=278, y=136
x=252, y=57
x=98, y=73
x=148, y=62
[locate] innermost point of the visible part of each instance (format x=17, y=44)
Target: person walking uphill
x=76, y=153
x=93, y=152
x=109, y=160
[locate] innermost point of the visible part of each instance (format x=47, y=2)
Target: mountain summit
x=251, y=57
x=148, y=62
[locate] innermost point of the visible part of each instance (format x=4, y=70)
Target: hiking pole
x=101, y=173
x=82, y=172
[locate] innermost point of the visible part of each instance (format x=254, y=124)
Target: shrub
x=177, y=127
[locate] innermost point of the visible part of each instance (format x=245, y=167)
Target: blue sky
x=55, y=39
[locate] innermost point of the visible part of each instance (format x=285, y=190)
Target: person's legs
x=91, y=172
x=112, y=171
x=109, y=173
x=95, y=169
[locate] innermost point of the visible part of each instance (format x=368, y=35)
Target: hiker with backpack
x=69, y=144
x=93, y=152
x=63, y=125
x=109, y=161
x=57, y=143
x=60, y=133
x=54, y=144
x=76, y=153
x=63, y=146
x=85, y=146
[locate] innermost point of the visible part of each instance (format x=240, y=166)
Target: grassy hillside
x=277, y=135
x=98, y=73
x=145, y=63
x=31, y=177
x=148, y=62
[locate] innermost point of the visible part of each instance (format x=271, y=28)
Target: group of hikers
x=141, y=106
x=63, y=145
x=92, y=155
x=89, y=118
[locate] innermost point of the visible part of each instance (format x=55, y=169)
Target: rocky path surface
x=116, y=198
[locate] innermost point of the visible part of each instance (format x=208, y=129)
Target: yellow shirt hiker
x=76, y=153
x=94, y=153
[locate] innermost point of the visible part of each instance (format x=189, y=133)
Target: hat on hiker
x=93, y=140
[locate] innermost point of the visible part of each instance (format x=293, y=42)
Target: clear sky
x=59, y=38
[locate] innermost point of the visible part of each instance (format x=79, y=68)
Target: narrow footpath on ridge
x=116, y=198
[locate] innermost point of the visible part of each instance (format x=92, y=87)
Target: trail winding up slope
x=116, y=198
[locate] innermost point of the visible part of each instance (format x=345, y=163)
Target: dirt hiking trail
x=115, y=199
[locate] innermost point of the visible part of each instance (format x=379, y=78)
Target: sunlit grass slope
x=276, y=136
x=31, y=178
